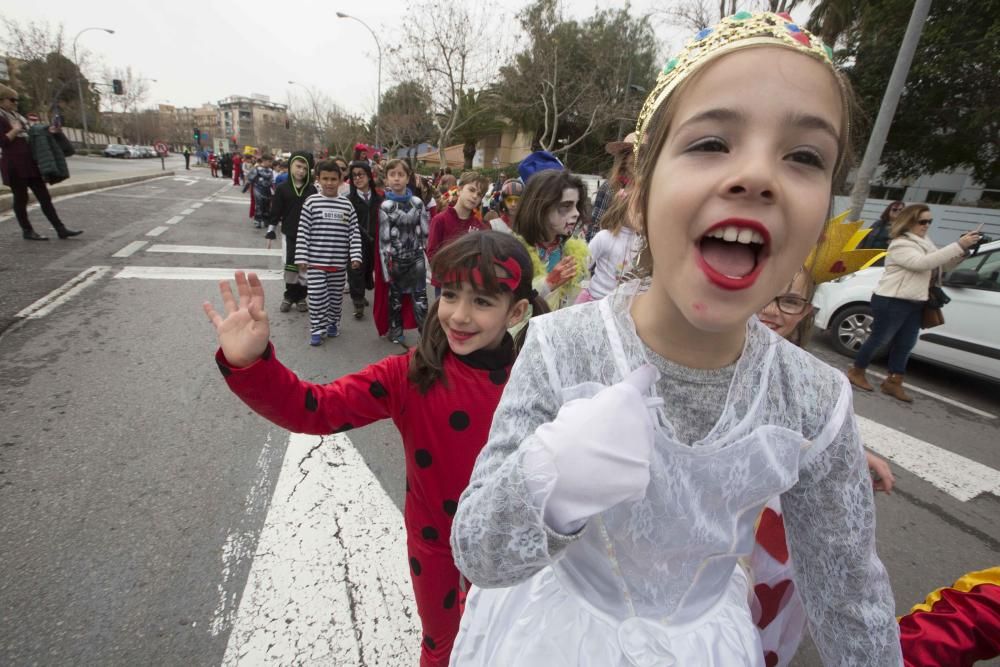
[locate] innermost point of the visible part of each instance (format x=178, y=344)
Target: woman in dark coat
x=20, y=172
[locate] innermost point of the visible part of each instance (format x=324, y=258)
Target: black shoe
x=66, y=233
x=34, y=236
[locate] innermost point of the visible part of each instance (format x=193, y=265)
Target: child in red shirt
x=441, y=395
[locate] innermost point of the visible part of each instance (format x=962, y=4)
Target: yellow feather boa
x=566, y=294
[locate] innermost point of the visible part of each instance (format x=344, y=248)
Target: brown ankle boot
x=893, y=386
x=856, y=376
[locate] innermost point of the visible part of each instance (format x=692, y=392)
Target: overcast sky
x=204, y=51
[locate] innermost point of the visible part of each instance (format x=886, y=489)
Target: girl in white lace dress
x=639, y=436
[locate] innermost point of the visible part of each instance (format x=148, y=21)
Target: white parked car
x=969, y=340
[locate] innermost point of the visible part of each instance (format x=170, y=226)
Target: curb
x=7, y=200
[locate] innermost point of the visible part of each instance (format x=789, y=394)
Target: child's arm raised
x=830, y=519
x=253, y=372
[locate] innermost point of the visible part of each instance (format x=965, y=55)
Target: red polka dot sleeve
x=277, y=394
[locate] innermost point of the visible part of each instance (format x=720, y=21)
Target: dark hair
x=265, y=157
x=328, y=164
x=885, y=214
x=338, y=159
x=476, y=250
x=907, y=219
x=544, y=191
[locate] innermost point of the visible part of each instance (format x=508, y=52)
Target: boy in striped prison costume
x=328, y=241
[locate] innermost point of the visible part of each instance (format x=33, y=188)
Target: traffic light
x=197, y=134
x=117, y=87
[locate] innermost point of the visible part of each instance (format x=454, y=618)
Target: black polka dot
x=449, y=599
x=377, y=390
x=224, y=369
x=429, y=532
x=423, y=458
x=311, y=402
x=267, y=353
x=415, y=566
x=429, y=643
x=459, y=420
x=346, y=427
x=498, y=376
x=449, y=507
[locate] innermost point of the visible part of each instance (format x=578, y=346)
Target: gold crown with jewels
x=734, y=32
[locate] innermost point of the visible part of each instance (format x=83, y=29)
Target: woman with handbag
x=912, y=260
x=19, y=171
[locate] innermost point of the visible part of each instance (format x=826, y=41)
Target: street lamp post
x=79, y=86
x=378, y=100
x=312, y=100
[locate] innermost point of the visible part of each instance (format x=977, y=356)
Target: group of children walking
x=598, y=475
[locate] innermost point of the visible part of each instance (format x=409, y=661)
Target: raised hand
x=244, y=332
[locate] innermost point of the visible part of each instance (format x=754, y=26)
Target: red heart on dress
x=771, y=535
x=770, y=659
x=838, y=267
x=770, y=598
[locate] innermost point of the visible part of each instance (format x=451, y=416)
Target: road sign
x=161, y=148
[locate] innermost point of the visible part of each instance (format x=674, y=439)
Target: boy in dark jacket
x=286, y=207
x=366, y=200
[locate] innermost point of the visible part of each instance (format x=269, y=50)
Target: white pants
x=326, y=294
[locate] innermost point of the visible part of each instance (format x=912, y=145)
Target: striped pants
x=325, y=296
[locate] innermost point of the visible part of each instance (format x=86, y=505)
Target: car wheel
x=850, y=328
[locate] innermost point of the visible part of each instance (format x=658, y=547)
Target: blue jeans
x=896, y=323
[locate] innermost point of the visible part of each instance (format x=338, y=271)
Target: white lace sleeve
x=499, y=537
x=830, y=520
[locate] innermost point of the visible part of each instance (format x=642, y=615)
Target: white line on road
x=214, y=250
x=329, y=583
x=64, y=293
x=187, y=273
x=943, y=399
x=952, y=473
x=130, y=249
x=187, y=211
x=197, y=205
x=60, y=198
x=232, y=200
x=156, y=231
x=174, y=220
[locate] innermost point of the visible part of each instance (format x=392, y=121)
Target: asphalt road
x=126, y=466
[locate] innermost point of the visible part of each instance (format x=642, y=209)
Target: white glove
x=598, y=449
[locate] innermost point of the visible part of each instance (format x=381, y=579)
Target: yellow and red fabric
x=958, y=625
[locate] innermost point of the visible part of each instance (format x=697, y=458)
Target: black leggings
x=19, y=188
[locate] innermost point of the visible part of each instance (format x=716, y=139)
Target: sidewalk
x=83, y=183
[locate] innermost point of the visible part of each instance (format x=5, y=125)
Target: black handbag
x=936, y=297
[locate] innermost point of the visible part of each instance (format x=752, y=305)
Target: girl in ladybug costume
x=441, y=395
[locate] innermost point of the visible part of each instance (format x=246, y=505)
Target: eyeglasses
x=791, y=304
x=358, y=174
x=511, y=199
x=925, y=223
x=896, y=209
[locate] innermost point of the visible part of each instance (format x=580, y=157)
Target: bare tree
x=443, y=48
x=696, y=15
x=44, y=69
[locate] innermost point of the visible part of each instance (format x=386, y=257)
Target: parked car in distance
x=969, y=340
x=117, y=150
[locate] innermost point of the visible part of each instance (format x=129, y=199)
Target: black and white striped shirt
x=328, y=233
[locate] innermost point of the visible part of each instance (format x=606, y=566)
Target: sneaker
x=398, y=340
x=315, y=339
x=332, y=331
x=285, y=306
x=302, y=306
x=359, y=312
